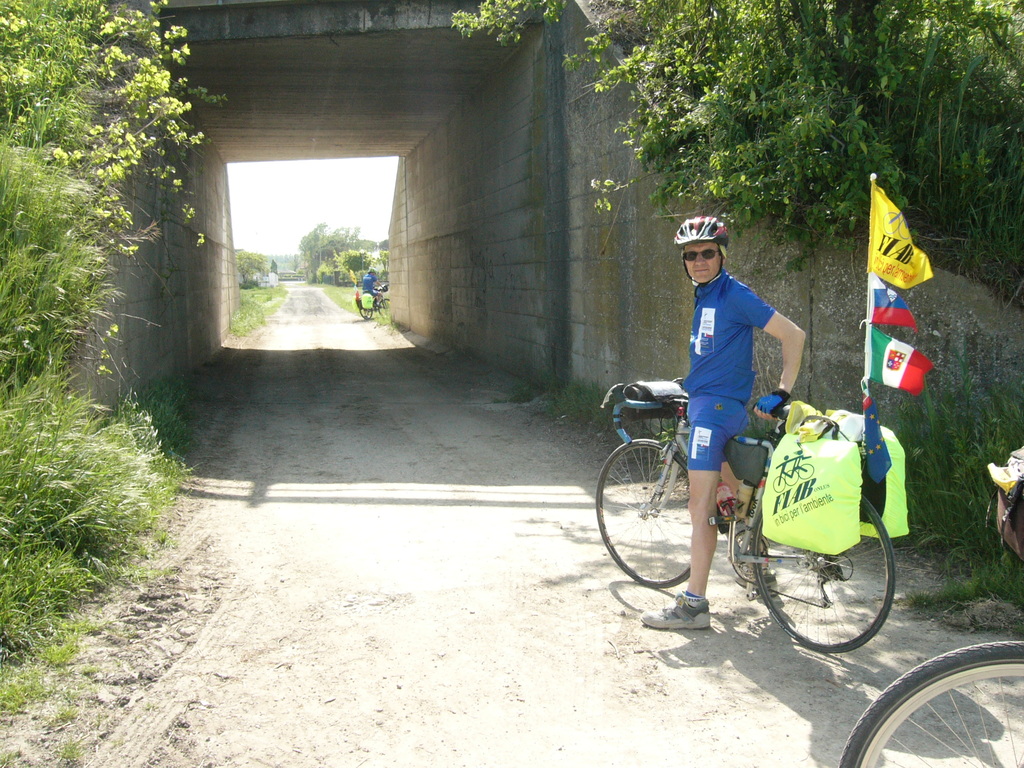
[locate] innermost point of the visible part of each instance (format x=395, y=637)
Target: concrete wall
x=175, y=296
x=497, y=247
x=469, y=264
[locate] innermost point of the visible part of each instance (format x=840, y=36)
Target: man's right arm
x=792, y=339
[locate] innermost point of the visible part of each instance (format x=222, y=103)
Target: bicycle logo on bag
x=794, y=480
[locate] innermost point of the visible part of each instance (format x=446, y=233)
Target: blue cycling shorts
x=713, y=421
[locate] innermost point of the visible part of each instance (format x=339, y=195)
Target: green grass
x=81, y=489
x=950, y=437
x=257, y=304
x=19, y=687
x=578, y=402
x=166, y=402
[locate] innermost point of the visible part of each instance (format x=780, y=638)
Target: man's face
x=703, y=261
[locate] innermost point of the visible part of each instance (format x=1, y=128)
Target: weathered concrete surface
x=175, y=296
x=497, y=247
x=496, y=244
x=332, y=79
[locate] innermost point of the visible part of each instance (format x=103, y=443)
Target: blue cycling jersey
x=722, y=339
x=369, y=283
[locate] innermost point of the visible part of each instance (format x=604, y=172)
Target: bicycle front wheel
x=830, y=603
x=644, y=524
x=961, y=708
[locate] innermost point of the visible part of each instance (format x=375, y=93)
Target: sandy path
x=379, y=565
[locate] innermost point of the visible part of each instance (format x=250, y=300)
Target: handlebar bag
x=812, y=495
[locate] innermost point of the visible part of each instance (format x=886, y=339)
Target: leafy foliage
x=320, y=247
x=87, y=104
x=90, y=83
x=250, y=265
x=779, y=112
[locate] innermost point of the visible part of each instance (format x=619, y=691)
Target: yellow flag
x=892, y=255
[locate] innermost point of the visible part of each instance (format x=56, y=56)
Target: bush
x=779, y=112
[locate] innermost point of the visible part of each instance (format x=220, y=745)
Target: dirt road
x=379, y=563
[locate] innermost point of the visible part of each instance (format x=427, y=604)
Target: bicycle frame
x=665, y=485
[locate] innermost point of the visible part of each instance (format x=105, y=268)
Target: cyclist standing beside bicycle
x=720, y=384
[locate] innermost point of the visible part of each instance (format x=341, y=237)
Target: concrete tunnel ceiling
x=325, y=80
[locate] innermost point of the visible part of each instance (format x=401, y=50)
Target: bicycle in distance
x=831, y=603
x=963, y=708
x=368, y=303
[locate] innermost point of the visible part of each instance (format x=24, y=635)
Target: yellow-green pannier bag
x=812, y=495
x=367, y=299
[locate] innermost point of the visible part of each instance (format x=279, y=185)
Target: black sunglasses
x=707, y=255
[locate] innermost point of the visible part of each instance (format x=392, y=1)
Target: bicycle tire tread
x=917, y=680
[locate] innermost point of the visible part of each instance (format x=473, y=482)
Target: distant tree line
x=340, y=255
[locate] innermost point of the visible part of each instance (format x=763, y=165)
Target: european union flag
x=878, y=460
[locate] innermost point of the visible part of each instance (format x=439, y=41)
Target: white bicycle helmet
x=703, y=229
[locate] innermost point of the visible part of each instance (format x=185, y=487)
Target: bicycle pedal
x=722, y=522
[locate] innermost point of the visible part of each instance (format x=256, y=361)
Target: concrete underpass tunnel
x=477, y=239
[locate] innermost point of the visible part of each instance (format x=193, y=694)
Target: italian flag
x=896, y=364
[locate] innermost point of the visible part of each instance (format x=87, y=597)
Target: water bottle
x=743, y=496
x=726, y=499
x=726, y=505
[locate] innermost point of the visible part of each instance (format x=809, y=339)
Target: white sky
x=274, y=205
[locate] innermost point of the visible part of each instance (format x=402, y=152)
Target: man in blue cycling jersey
x=720, y=384
x=370, y=283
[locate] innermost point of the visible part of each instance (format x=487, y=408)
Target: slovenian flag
x=896, y=364
x=887, y=308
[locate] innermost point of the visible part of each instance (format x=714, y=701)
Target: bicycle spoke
x=645, y=526
x=964, y=708
x=831, y=603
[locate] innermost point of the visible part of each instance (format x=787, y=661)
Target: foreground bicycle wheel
x=963, y=708
x=648, y=537
x=365, y=313
x=830, y=603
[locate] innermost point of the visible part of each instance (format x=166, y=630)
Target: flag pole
x=867, y=321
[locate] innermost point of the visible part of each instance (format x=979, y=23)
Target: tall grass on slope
x=950, y=437
x=51, y=276
x=76, y=490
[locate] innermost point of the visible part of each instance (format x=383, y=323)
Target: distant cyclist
x=370, y=283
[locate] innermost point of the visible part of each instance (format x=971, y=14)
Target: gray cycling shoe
x=682, y=615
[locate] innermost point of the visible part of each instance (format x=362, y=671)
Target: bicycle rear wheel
x=965, y=707
x=830, y=603
x=648, y=537
x=365, y=313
